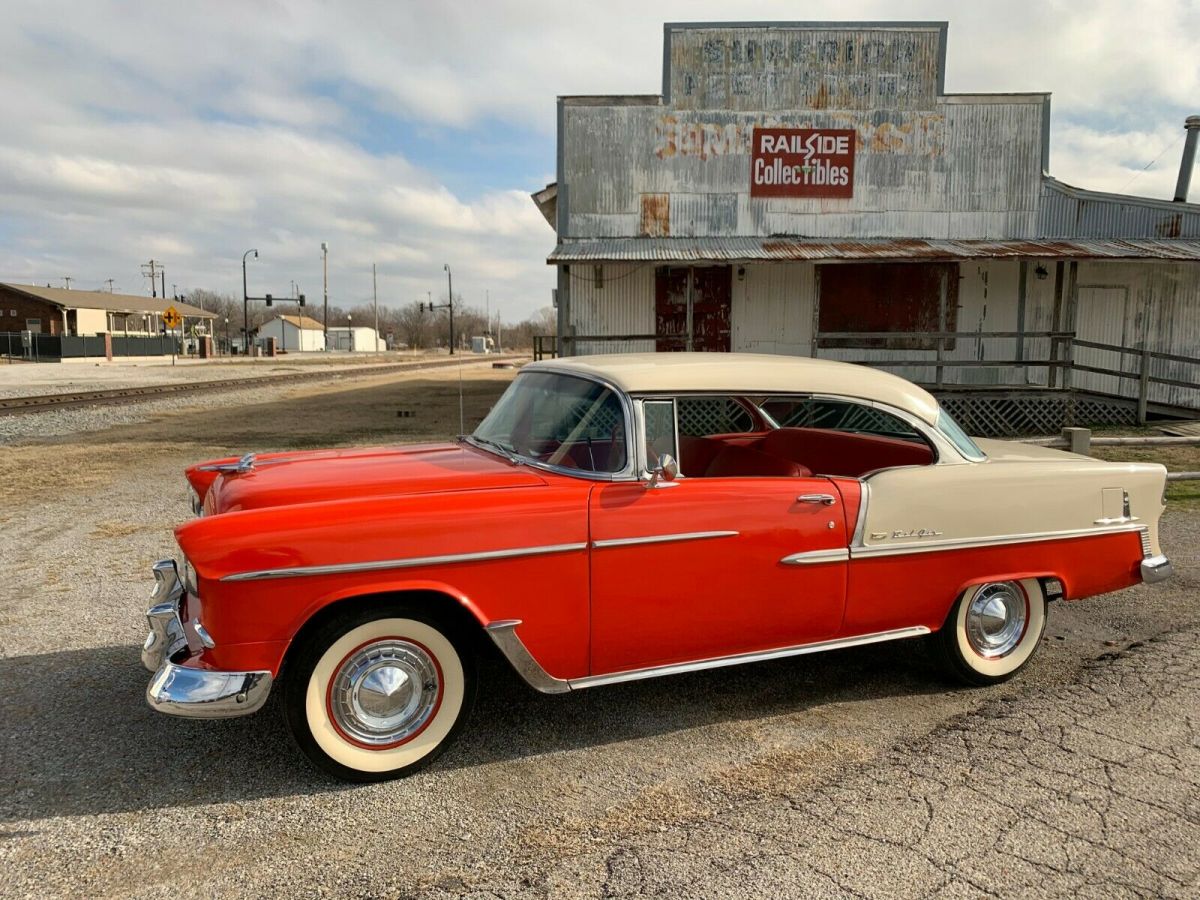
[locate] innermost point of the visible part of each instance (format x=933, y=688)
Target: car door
x=705, y=567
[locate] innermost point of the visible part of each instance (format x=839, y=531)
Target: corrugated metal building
x=798, y=182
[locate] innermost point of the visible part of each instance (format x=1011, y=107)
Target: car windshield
x=954, y=433
x=558, y=420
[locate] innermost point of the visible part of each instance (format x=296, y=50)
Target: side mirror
x=666, y=471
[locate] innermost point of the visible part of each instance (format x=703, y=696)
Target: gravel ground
x=857, y=773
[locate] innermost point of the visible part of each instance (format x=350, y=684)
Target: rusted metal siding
x=1066, y=211
x=1151, y=305
x=832, y=66
x=773, y=308
x=623, y=304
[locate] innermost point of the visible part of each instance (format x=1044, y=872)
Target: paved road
x=1089, y=790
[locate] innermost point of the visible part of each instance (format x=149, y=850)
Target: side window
x=660, y=430
x=702, y=416
x=839, y=415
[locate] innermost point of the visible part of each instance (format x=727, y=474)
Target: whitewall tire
x=992, y=631
x=378, y=693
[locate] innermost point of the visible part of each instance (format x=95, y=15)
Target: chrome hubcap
x=385, y=692
x=996, y=619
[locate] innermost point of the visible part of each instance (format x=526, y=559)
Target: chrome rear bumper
x=1156, y=569
x=182, y=690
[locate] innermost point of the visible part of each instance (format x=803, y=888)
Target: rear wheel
x=378, y=693
x=992, y=631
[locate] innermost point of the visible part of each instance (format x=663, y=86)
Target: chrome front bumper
x=183, y=690
x=1156, y=569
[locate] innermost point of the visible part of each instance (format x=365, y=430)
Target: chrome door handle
x=823, y=499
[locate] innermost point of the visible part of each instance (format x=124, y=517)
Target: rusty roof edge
x=791, y=248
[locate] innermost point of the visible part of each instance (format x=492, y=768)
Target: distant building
x=294, y=334
x=358, y=339
x=56, y=311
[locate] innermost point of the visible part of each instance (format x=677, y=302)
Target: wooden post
x=816, y=313
x=1079, y=440
x=1143, y=386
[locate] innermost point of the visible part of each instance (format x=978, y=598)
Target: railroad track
x=45, y=402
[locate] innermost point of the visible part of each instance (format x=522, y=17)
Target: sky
x=409, y=134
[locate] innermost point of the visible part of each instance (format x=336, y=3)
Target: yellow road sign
x=171, y=318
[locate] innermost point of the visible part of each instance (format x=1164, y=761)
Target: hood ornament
x=241, y=467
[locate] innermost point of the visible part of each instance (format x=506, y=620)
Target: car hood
x=281, y=479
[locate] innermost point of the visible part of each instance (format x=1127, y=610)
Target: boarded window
x=904, y=298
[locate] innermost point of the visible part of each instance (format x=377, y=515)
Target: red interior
x=797, y=452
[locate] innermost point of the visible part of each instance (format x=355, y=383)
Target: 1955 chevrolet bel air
x=624, y=517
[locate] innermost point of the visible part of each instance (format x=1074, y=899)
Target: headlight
x=194, y=499
x=189, y=578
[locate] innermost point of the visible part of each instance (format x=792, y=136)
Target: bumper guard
x=182, y=690
x=1156, y=569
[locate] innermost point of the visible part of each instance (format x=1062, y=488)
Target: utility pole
x=109, y=282
x=450, y=304
x=246, y=305
x=375, y=298
x=151, y=269
x=163, y=275
x=487, y=311
x=325, y=270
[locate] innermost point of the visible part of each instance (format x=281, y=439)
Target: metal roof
x=735, y=249
x=120, y=303
x=1071, y=212
x=304, y=323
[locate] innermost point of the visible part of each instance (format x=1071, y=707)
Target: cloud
x=193, y=132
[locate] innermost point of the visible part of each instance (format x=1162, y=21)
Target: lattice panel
x=1012, y=416
x=699, y=416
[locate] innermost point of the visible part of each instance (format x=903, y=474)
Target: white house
x=356, y=339
x=295, y=333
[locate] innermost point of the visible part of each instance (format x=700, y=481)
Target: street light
x=450, y=303
x=227, y=348
x=246, y=304
x=350, y=328
x=325, y=271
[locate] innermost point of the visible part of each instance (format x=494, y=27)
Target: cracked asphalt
x=858, y=773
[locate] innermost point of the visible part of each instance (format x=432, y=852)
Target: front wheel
x=992, y=631
x=376, y=694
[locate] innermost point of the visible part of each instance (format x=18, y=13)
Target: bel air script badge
x=896, y=535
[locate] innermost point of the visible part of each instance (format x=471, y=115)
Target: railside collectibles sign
x=802, y=162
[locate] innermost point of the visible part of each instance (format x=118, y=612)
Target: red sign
x=802, y=162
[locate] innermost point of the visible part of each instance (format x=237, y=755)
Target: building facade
x=294, y=334
x=55, y=311
x=812, y=189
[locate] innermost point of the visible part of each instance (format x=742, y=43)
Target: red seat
x=697, y=453
x=742, y=462
x=843, y=453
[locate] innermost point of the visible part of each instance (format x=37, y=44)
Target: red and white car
x=625, y=517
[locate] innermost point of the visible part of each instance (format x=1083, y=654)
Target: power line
x=1138, y=174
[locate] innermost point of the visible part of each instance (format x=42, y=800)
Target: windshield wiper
x=486, y=443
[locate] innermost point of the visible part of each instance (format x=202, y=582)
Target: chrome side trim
x=205, y=694
x=858, y=552
x=760, y=656
x=411, y=562
x=1146, y=548
x=663, y=538
x=1156, y=569
x=503, y=633
x=816, y=557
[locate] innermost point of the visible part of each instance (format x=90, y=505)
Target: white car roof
x=746, y=373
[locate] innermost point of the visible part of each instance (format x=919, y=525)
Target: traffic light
x=269, y=299
x=301, y=299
